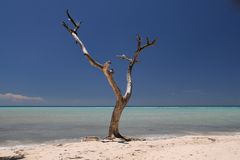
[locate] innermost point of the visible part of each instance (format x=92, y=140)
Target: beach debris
x=90, y=138
x=138, y=139
x=120, y=140
x=151, y=146
x=123, y=142
x=212, y=139
x=14, y=157
x=76, y=157
x=206, y=139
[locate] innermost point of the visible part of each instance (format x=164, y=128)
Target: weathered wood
x=14, y=157
x=90, y=138
x=121, y=100
x=140, y=47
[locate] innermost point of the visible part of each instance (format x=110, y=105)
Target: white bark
x=128, y=92
x=77, y=39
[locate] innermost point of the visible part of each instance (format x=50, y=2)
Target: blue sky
x=196, y=60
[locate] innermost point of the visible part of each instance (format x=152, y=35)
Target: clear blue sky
x=196, y=60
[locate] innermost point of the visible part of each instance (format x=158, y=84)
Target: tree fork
x=121, y=100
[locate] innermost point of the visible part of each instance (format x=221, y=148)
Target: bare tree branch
x=138, y=41
x=134, y=60
x=66, y=26
x=124, y=57
x=104, y=68
x=107, y=72
x=140, y=47
x=76, y=25
x=73, y=32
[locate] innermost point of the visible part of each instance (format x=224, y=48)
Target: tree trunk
x=114, y=124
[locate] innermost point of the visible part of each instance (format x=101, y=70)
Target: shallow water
x=21, y=125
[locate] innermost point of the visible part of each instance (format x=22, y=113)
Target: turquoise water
x=19, y=125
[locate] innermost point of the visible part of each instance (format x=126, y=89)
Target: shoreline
x=151, y=137
x=186, y=147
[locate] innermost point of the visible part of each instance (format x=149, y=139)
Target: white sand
x=180, y=148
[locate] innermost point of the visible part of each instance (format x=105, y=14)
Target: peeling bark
x=121, y=100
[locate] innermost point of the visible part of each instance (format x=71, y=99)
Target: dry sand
x=181, y=148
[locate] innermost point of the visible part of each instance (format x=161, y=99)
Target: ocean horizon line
x=111, y=106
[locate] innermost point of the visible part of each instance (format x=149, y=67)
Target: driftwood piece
x=14, y=157
x=90, y=138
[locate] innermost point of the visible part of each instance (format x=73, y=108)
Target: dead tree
x=121, y=100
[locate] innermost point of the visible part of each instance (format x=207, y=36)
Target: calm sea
x=23, y=125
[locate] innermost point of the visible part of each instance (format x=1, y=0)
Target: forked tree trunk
x=119, y=107
x=121, y=100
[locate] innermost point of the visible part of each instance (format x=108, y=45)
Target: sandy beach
x=178, y=148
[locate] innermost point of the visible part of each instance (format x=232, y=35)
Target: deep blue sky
x=196, y=60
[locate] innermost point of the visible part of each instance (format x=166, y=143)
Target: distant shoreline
x=109, y=106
